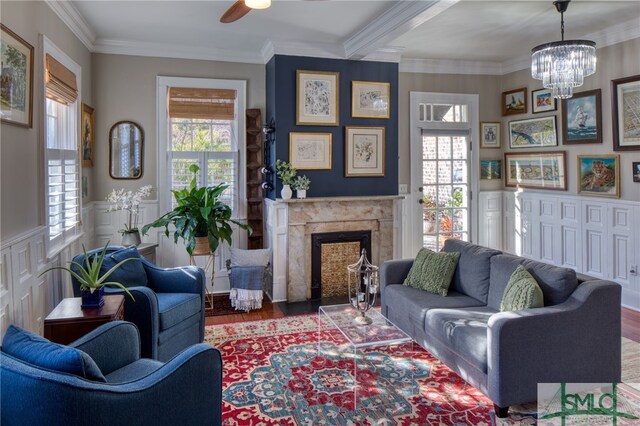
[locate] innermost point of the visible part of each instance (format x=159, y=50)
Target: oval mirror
x=126, y=140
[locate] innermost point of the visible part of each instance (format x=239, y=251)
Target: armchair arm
x=183, y=279
x=578, y=341
x=394, y=272
x=112, y=345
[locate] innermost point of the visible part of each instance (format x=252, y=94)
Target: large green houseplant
x=199, y=213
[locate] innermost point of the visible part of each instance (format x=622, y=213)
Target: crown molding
x=72, y=18
x=297, y=48
x=386, y=54
x=449, y=66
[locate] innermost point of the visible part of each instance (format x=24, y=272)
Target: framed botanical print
x=514, y=101
x=317, y=98
x=599, y=175
x=16, y=85
x=542, y=101
x=542, y=170
x=533, y=132
x=625, y=98
x=310, y=151
x=635, y=167
x=370, y=99
x=582, y=118
x=87, y=131
x=365, y=151
x=490, y=169
x=490, y=135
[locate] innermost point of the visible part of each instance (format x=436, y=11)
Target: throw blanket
x=246, y=287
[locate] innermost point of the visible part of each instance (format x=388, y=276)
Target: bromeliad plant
x=198, y=213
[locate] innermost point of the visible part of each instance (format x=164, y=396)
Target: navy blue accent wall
x=281, y=105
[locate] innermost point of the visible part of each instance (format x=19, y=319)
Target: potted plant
x=199, y=218
x=286, y=172
x=301, y=185
x=91, y=282
x=129, y=201
x=429, y=216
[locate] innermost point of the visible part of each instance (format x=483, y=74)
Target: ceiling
x=482, y=32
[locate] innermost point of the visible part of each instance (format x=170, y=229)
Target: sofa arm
x=394, y=272
x=112, y=345
x=576, y=341
x=183, y=279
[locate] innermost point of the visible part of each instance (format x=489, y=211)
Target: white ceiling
x=483, y=32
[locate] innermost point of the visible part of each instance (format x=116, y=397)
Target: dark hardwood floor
x=631, y=324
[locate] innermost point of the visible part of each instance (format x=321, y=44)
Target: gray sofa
x=574, y=338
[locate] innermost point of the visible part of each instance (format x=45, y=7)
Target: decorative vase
x=131, y=238
x=286, y=192
x=92, y=300
x=301, y=193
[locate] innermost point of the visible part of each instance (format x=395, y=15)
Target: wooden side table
x=67, y=322
x=148, y=251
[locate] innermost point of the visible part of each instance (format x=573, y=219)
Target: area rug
x=219, y=304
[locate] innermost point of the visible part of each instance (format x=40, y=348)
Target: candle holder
x=363, y=287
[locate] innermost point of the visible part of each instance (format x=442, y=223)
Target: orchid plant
x=130, y=201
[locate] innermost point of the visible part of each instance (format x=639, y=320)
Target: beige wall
x=486, y=86
x=616, y=61
x=22, y=199
x=125, y=89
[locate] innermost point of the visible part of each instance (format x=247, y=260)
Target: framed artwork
x=490, y=169
x=370, y=99
x=636, y=171
x=365, y=151
x=541, y=170
x=542, y=101
x=317, y=98
x=514, y=101
x=533, y=132
x=490, y=135
x=582, y=118
x=88, y=136
x=16, y=85
x=310, y=151
x=625, y=98
x=599, y=175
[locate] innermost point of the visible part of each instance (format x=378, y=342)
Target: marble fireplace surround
x=290, y=224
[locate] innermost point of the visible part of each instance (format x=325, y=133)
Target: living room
x=450, y=75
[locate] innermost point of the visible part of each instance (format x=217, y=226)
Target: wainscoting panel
x=490, y=225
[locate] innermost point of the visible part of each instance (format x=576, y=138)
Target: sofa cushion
x=432, y=271
x=176, y=307
x=129, y=274
x=474, y=267
x=556, y=283
x=134, y=371
x=463, y=330
x=522, y=292
x=36, y=350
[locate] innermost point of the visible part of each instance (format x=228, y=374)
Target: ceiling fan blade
x=235, y=12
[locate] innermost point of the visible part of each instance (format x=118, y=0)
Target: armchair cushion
x=38, y=351
x=176, y=307
x=129, y=274
x=134, y=371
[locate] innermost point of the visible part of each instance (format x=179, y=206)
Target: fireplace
x=331, y=252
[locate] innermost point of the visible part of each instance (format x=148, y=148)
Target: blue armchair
x=130, y=390
x=169, y=303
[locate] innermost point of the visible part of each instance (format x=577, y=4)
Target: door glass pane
x=428, y=172
x=460, y=147
x=460, y=172
x=429, y=148
x=444, y=172
x=444, y=148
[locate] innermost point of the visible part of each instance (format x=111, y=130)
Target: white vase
x=301, y=193
x=131, y=238
x=286, y=192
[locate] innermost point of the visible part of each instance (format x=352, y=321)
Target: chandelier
x=563, y=65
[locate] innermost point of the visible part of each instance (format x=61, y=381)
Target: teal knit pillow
x=522, y=292
x=432, y=271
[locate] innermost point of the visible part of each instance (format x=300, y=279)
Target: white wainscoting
x=596, y=236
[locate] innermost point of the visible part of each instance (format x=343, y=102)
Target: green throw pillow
x=522, y=292
x=432, y=271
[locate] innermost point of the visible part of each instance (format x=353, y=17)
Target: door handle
x=421, y=189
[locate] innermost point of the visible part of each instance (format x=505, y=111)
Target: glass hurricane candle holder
x=363, y=287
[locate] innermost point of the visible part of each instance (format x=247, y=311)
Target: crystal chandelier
x=563, y=65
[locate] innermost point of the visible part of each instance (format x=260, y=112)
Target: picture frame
x=599, y=175
x=625, y=92
x=543, y=101
x=370, y=99
x=635, y=169
x=310, y=151
x=87, y=133
x=490, y=169
x=514, y=101
x=533, y=132
x=365, y=151
x=16, y=87
x=582, y=118
x=537, y=170
x=317, y=98
x=490, y=134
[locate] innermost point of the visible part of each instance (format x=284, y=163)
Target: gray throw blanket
x=246, y=287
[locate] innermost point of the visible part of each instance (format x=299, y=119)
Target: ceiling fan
x=241, y=8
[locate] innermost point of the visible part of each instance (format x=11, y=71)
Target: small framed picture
x=514, y=102
x=16, y=85
x=87, y=147
x=542, y=170
x=636, y=171
x=317, y=98
x=370, y=99
x=625, y=98
x=310, y=151
x=490, y=135
x=582, y=118
x=542, y=101
x=490, y=169
x=599, y=175
x=365, y=151
x=533, y=132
